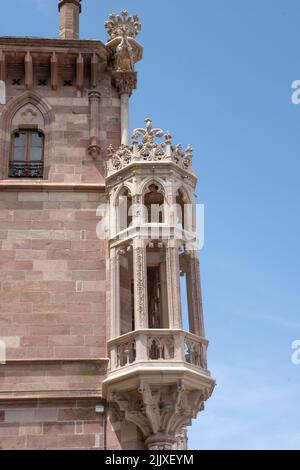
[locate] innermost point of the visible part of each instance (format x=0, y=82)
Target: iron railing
x=26, y=170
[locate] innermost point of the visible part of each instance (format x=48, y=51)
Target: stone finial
x=148, y=133
x=123, y=25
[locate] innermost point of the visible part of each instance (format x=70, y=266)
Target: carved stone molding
x=161, y=412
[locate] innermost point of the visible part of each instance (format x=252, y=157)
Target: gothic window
x=124, y=210
x=27, y=149
x=185, y=216
x=180, y=210
x=157, y=286
x=154, y=204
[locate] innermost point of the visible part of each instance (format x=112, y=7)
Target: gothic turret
x=158, y=373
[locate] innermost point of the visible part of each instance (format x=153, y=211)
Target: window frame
x=28, y=145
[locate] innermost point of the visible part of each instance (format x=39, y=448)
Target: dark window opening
x=154, y=297
x=154, y=200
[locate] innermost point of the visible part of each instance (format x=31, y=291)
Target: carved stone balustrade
x=146, y=147
x=161, y=345
x=126, y=353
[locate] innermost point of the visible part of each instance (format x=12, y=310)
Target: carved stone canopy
x=146, y=147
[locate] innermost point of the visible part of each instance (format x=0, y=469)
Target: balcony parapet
x=158, y=346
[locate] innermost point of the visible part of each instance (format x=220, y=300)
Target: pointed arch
x=10, y=110
x=150, y=180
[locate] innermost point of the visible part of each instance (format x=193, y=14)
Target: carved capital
x=94, y=95
x=94, y=150
x=124, y=82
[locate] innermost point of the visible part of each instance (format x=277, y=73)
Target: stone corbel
x=28, y=70
x=161, y=412
x=2, y=66
x=54, y=71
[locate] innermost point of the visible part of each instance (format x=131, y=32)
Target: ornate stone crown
x=146, y=148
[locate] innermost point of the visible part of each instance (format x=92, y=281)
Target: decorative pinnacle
x=123, y=25
x=148, y=133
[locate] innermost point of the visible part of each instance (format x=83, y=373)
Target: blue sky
x=218, y=75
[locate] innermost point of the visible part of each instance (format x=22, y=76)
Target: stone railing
x=146, y=148
x=158, y=345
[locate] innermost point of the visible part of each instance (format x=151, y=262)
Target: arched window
x=154, y=204
x=27, y=154
x=180, y=209
x=184, y=211
x=124, y=210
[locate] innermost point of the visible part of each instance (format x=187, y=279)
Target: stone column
x=173, y=280
x=194, y=294
x=115, y=292
x=124, y=118
x=140, y=284
x=94, y=147
x=125, y=82
x=69, y=18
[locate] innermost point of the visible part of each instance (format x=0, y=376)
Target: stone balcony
x=158, y=347
x=160, y=381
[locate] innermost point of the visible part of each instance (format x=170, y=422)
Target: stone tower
x=96, y=230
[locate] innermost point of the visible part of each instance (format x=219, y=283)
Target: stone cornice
x=10, y=43
x=37, y=360
x=50, y=394
x=29, y=185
